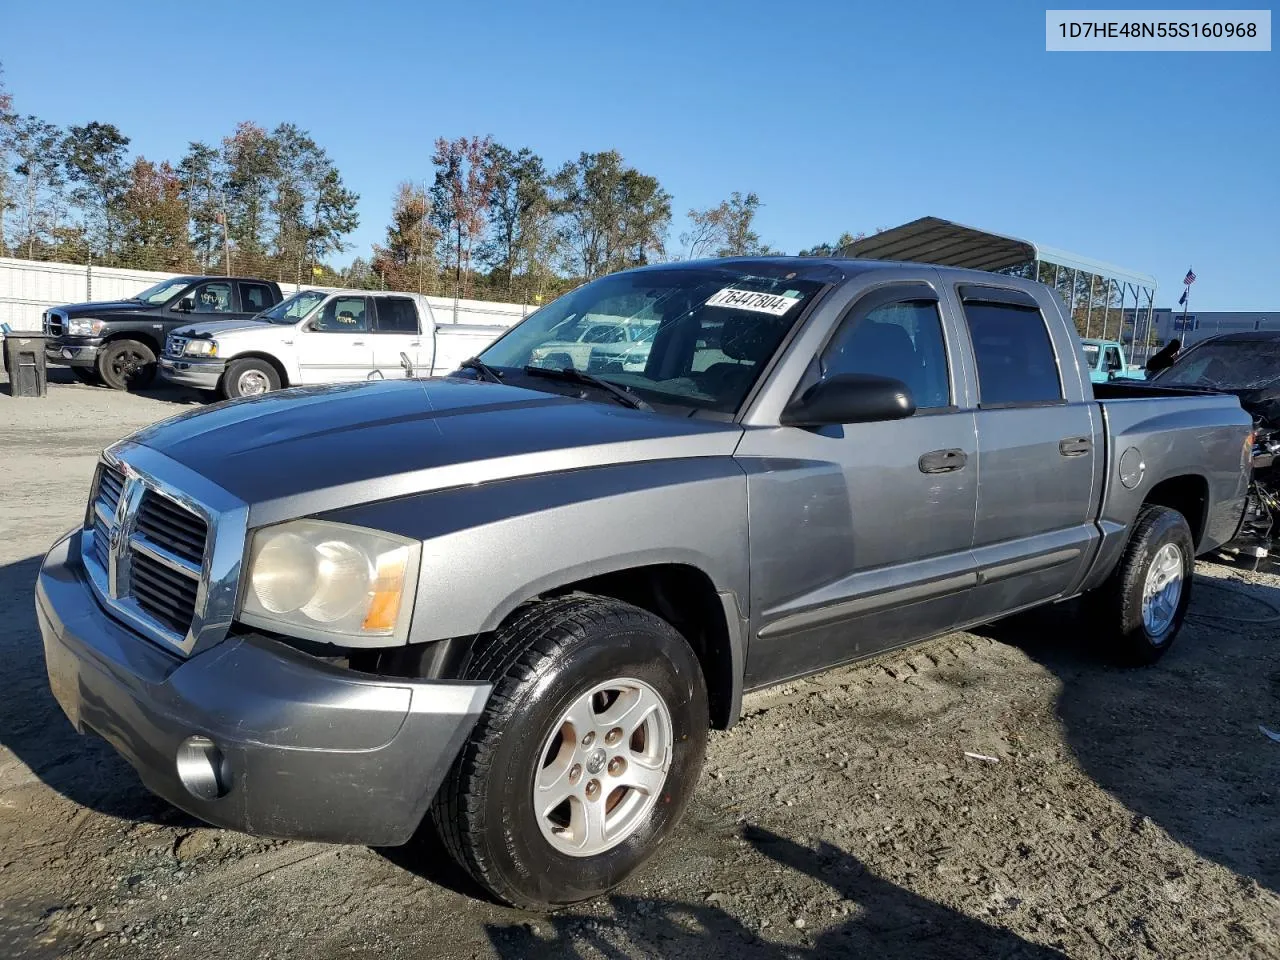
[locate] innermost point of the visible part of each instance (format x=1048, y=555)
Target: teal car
x=1106, y=360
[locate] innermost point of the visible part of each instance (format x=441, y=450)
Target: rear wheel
x=249, y=377
x=1139, y=611
x=127, y=365
x=586, y=757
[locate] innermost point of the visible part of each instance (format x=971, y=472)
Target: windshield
x=1226, y=365
x=1091, y=355
x=163, y=291
x=693, y=337
x=293, y=309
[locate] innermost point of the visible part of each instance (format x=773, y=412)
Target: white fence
x=28, y=288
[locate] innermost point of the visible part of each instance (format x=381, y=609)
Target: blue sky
x=846, y=116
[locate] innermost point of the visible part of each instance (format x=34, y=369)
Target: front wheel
x=1141, y=607
x=249, y=377
x=586, y=757
x=127, y=365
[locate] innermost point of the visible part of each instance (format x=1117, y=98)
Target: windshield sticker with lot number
x=770, y=303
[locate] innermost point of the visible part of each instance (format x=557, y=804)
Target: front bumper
x=306, y=750
x=201, y=374
x=72, y=351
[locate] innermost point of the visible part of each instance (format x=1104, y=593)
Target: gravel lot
x=1124, y=813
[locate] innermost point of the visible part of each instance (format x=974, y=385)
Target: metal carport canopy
x=934, y=240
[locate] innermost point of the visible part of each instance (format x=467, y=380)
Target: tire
x=1160, y=538
x=544, y=661
x=127, y=365
x=249, y=377
x=87, y=375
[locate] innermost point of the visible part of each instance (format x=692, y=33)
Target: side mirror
x=850, y=398
x=185, y=305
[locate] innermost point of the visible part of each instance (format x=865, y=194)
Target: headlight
x=331, y=582
x=200, y=348
x=84, y=327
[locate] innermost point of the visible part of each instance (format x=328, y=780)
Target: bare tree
x=460, y=201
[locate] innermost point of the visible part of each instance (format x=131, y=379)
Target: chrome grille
x=172, y=528
x=174, y=345
x=162, y=548
x=164, y=593
x=53, y=323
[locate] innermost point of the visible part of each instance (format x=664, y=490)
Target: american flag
x=1190, y=278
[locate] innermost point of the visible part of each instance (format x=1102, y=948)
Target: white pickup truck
x=319, y=336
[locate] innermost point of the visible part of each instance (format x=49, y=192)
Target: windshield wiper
x=574, y=375
x=479, y=366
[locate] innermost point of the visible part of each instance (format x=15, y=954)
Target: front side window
x=902, y=340
x=1016, y=362
x=1113, y=359
x=397, y=315
x=213, y=297
x=695, y=337
x=343, y=315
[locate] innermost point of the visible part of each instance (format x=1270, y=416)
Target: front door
x=396, y=333
x=860, y=535
x=1037, y=435
x=335, y=346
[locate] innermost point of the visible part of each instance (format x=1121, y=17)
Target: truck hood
x=214, y=329
x=309, y=449
x=102, y=306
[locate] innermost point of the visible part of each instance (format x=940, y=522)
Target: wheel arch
x=268, y=358
x=1186, y=493
x=144, y=337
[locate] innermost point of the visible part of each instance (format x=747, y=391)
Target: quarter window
x=397, y=315
x=901, y=340
x=1016, y=362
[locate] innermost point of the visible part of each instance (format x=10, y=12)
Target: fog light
x=203, y=769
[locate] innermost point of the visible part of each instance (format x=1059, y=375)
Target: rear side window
x=396, y=315
x=255, y=297
x=901, y=340
x=1016, y=362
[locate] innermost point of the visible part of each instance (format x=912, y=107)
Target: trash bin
x=24, y=363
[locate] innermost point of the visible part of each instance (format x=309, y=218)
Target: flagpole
x=1186, y=302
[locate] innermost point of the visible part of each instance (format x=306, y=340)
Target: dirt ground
x=1121, y=813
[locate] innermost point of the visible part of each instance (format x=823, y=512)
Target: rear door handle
x=1075, y=446
x=943, y=461
x=357, y=343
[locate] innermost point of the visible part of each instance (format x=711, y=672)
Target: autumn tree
x=201, y=180
x=36, y=148
x=407, y=261
x=460, y=202
x=153, y=227
x=522, y=235
x=249, y=160
x=612, y=216
x=95, y=161
x=725, y=230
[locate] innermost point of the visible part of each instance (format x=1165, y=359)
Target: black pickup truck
x=116, y=343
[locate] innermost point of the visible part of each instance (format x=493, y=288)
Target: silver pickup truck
x=512, y=601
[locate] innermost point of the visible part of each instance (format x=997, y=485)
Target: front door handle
x=943, y=461
x=1075, y=446
x=357, y=343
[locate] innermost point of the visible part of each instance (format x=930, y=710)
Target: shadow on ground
x=1178, y=741
x=886, y=922
x=84, y=769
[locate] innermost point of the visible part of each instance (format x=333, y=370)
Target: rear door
x=335, y=346
x=1037, y=438
x=396, y=331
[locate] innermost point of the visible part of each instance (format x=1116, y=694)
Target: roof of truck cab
x=1244, y=335
x=832, y=269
